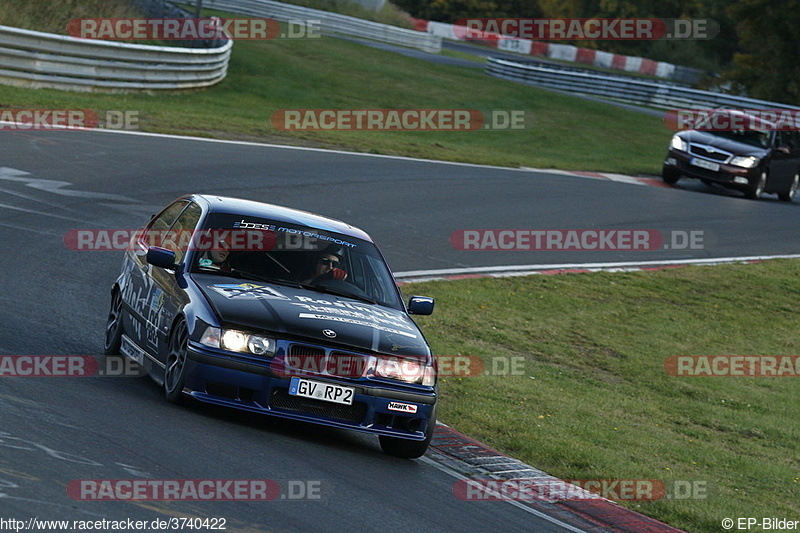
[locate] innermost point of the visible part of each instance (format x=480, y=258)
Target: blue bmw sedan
x=277, y=311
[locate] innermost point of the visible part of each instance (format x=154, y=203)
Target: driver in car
x=217, y=259
x=327, y=267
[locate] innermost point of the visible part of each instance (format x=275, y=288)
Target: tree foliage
x=756, y=47
x=767, y=64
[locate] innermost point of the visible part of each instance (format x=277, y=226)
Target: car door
x=784, y=160
x=167, y=297
x=137, y=288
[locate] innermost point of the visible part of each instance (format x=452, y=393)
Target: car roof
x=251, y=208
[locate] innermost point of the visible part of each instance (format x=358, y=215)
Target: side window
x=780, y=139
x=791, y=140
x=787, y=139
x=180, y=234
x=156, y=230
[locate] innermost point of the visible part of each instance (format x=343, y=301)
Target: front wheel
x=789, y=194
x=670, y=175
x=756, y=189
x=175, y=371
x=408, y=449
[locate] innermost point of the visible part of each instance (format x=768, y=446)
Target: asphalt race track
x=55, y=300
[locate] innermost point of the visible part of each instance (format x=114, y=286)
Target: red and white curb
x=608, y=176
x=465, y=458
x=558, y=51
x=415, y=276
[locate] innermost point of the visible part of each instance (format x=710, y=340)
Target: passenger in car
x=327, y=267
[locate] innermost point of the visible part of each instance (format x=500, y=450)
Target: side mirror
x=784, y=149
x=161, y=257
x=420, y=305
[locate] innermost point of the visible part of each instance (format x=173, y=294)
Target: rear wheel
x=113, y=340
x=788, y=195
x=756, y=189
x=409, y=449
x=175, y=372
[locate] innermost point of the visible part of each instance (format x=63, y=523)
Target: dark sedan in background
x=762, y=158
x=277, y=311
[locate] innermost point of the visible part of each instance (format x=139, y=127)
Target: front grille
x=305, y=349
x=306, y=358
x=281, y=399
x=313, y=359
x=346, y=365
x=709, y=152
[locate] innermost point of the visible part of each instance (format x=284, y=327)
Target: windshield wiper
x=234, y=272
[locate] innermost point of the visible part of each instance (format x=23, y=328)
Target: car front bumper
x=212, y=377
x=728, y=175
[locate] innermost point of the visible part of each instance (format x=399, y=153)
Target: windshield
x=721, y=124
x=757, y=138
x=266, y=250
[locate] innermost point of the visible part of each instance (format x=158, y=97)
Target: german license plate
x=317, y=390
x=702, y=163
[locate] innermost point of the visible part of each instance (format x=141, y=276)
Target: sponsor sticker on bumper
x=402, y=407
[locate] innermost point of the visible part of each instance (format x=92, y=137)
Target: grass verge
x=595, y=401
x=327, y=73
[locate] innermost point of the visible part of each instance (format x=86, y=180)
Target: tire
x=756, y=189
x=670, y=176
x=113, y=340
x=408, y=449
x=175, y=371
x=790, y=193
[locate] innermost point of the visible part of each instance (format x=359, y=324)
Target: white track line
x=521, y=269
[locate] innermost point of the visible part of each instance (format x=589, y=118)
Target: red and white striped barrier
x=561, y=52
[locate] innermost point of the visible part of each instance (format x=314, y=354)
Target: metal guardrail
x=331, y=23
x=626, y=89
x=44, y=60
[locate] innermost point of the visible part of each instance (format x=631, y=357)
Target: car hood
x=316, y=316
x=728, y=145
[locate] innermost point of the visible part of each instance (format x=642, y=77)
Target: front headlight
x=404, y=369
x=744, y=161
x=679, y=144
x=238, y=341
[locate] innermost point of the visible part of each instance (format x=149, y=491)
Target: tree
x=768, y=66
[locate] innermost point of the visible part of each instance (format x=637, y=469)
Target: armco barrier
x=44, y=60
x=563, y=52
x=332, y=23
x=642, y=92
